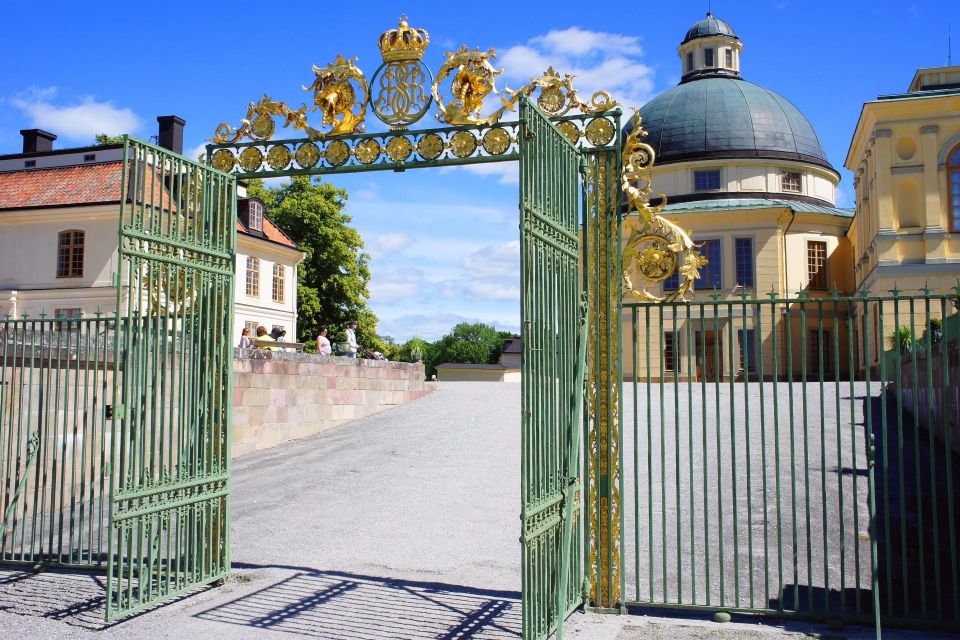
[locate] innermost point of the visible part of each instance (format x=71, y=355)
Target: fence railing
x=773, y=464
x=56, y=381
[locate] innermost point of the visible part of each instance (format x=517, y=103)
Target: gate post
x=602, y=432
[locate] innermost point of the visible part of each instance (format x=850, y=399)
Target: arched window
x=70, y=254
x=953, y=182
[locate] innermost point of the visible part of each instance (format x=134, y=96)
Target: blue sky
x=443, y=242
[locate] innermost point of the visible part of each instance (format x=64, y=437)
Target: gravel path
x=405, y=525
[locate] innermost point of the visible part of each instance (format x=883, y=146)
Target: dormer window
x=256, y=216
x=708, y=57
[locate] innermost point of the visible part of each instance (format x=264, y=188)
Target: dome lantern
x=710, y=49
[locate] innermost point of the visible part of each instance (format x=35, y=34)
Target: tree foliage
x=103, y=138
x=332, y=278
x=469, y=343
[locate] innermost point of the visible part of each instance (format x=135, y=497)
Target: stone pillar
x=934, y=235
x=887, y=218
x=603, y=274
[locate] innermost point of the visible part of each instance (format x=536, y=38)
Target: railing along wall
x=56, y=378
x=772, y=464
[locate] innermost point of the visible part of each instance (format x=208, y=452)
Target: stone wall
x=280, y=396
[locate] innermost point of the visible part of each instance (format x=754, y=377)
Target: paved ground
x=401, y=525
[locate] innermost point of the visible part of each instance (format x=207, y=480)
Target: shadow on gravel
x=334, y=604
x=74, y=598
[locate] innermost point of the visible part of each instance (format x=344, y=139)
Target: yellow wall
x=901, y=234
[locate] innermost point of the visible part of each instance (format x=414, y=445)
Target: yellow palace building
x=744, y=172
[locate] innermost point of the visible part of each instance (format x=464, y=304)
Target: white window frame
x=783, y=181
x=255, y=216
x=253, y=277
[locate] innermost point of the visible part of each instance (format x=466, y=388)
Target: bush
x=902, y=337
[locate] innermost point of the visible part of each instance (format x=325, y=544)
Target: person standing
x=245, y=341
x=323, y=343
x=352, y=345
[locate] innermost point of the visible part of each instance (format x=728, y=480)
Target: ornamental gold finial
x=403, y=43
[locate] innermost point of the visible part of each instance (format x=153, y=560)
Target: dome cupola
x=711, y=48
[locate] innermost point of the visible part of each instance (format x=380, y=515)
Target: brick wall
x=280, y=396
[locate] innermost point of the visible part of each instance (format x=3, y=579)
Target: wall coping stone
x=313, y=358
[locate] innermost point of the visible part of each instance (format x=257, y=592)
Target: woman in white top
x=323, y=343
x=245, y=341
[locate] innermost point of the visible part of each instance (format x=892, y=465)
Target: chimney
x=35, y=140
x=171, y=133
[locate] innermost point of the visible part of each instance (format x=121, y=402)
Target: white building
x=59, y=217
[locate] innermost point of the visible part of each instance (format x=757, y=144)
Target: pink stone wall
x=282, y=396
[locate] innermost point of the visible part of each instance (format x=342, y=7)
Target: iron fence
x=795, y=456
x=56, y=378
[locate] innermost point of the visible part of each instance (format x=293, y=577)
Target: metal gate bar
x=55, y=382
x=171, y=440
x=796, y=456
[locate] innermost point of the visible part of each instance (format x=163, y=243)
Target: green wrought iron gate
x=554, y=343
x=170, y=445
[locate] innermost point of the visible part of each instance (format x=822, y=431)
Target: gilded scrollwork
x=655, y=246
x=340, y=93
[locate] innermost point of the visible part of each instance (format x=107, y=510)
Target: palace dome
x=713, y=113
x=716, y=117
x=709, y=26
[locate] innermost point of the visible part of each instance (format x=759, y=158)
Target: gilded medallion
x=251, y=159
x=496, y=141
x=570, y=131
x=367, y=151
x=223, y=160
x=600, y=132
x=308, y=155
x=337, y=153
x=430, y=146
x=463, y=144
x=399, y=148
x=278, y=157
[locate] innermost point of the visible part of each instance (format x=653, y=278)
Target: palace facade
x=59, y=220
x=744, y=172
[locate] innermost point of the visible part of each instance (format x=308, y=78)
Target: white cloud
x=597, y=60
x=80, y=121
x=497, y=260
x=580, y=42
x=388, y=243
x=505, y=172
x=396, y=284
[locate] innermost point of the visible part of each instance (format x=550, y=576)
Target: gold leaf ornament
x=655, y=246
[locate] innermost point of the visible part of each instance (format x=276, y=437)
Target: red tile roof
x=271, y=232
x=60, y=186
x=89, y=184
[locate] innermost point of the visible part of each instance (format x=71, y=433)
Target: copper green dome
x=709, y=26
x=714, y=117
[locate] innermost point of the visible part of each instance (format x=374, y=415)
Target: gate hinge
x=116, y=411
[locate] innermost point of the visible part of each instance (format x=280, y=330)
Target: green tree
x=332, y=278
x=103, y=138
x=469, y=343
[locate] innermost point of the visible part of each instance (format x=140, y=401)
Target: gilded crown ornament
x=401, y=97
x=403, y=43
